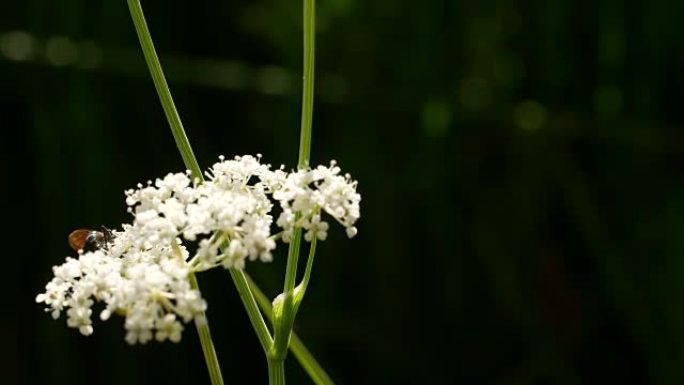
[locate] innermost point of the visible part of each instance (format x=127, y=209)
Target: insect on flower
x=90, y=240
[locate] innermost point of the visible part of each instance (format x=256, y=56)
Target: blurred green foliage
x=518, y=161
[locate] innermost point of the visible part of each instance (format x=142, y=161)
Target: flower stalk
x=202, y=325
x=285, y=321
x=308, y=83
x=253, y=312
x=276, y=372
x=162, y=88
x=188, y=156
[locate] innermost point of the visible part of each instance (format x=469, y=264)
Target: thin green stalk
x=251, y=307
x=283, y=328
x=292, y=258
x=309, y=266
x=308, y=83
x=202, y=325
x=163, y=89
x=201, y=322
x=276, y=372
x=301, y=353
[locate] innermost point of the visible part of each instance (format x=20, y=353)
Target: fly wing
x=77, y=238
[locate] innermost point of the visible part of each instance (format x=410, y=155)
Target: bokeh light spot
x=17, y=45
x=60, y=51
x=529, y=115
x=436, y=117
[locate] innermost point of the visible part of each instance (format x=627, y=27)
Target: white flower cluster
x=310, y=191
x=149, y=286
x=143, y=272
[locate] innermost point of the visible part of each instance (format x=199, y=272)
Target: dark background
x=519, y=161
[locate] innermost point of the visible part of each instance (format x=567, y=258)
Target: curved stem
x=309, y=266
x=252, y=310
x=163, y=89
x=283, y=328
x=201, y=322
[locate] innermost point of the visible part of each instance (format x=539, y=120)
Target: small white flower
x=316, y=228
x=79, y=315
x=286, y=221
x=168, y=327
x=235, y=255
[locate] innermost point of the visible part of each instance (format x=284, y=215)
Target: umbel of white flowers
x=143, y=273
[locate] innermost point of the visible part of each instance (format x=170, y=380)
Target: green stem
x=276, y=372
x=308, y=83
x=163, y=89
x=202, y=325
x=309, y=266
x=201, y=321
x=301, y=353
x=292, y=259
x=252, y=310
x=283, y=329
